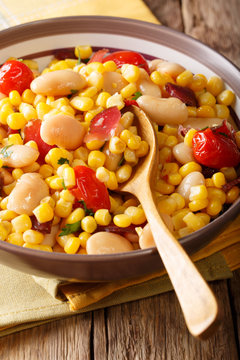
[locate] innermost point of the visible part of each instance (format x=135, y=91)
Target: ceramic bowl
x=39, y=40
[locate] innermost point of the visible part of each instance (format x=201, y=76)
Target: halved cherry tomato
x=98, y=56
x=32, y=132
x=127, y=57
x=104, y=125
x=15, y=75
x=216, y=148
x=129, y=102
x=89, y=189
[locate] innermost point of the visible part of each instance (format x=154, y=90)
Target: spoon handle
x=199, y=306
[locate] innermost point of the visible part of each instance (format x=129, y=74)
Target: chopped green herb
x=21, y=60
x=4, y=151
x=137, y=95
x=89, y=212
x=70, y=228
x=63, y=184
x=224, y=134
x=206, y=127
x=79, y=57
x=74, y=91
x=121, y=161
x=62, y=161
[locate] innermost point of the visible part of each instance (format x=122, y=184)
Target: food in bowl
x=69, y=138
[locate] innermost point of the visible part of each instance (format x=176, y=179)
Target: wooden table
x=152, y=328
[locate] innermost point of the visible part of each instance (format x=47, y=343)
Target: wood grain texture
x=234, y=290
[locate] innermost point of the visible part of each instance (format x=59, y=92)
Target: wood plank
x=154, y=328
x=168, y=12
x=234, y=285
x=100, y=344
x=66, y=339
x=215, y=23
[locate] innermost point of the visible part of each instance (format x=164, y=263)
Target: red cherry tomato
x=104, y=125
x=216, y=148
x=127, y=57
x=32, y=132
x=15, y=75
x=89, y=189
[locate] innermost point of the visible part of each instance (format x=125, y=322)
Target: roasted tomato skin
x=15, y=75
x=89, y=189
x=127, y=57
x=215, y=148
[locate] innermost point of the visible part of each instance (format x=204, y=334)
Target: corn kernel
x=122, y=220
x=4, y=203
x=94, y=66
x=205, y=111
x=95, y=79
x=115, y=100
x=72, y=245
x=15, y=139
x=206, y=99
x=55, y=182
x=39, y=98
x=110, y=66
x=3, y=232
x=165, y=155
x=229, y=173
x=28, y=96
x=136, y=214
x=15, y=98
x=171, y=141
x=158, y=78
x=185, y=78
x=94, y=145
x=169, y=168
x=116, y=145
x=32, y=236
x=7, y=215
x=81, y=153
x=83, y=51
x=32, y=144
x=45, y=171
x=198, y=192
x=232, y=194
x=31, y=168
x=63, y=208
x=42, y=109
x=16, y=121
x=67, y=196
x=38, y=247
x=112, y=183
x=82, y=103
x=198, y=204
x=21, y=223
x=174, y=179
x=189, y=136
x=214, y=207
x=130, y=156
x=193, y=222
x=189, y=167
x=163, y=187
x=69, y=177
x=192, y=111
x=84, y=236
x=219, y=179
x=89, y=224
x=222, y=111
x=102, y=217
x=214, y=85
x=96, y=159
x=127, y=119
x=170, y=130
x=198, y=83
x=226, y=97
x=209, y=183
x=49, y=200
x=8, y=188
x=102, y=99
x=55, y=154
x=43, y=213
x=6, y=110
x=180, y=201
x=102, y=174
x=142, y=149
x=131, y=73
x=166, y=205
x=128, y=90
x=216, y=193
x=177, y=218
x=77, y=215
x=123, y=173
x=15, y=239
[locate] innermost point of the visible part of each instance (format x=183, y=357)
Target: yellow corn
x=55, y=182
x=95, y=79
x=102, y=174
x=193, y=222
x=15, y=98
x=84, y=236
x=96, y=159
x=167, y=205
x=55, y=154
x=38, y=247
x=31, y=168
x=142, y=149
x=136, y=214
x=123, y=173
x=39, y=98
x=102, y=217
x=3, y=232
x=28, y=96
x=198, y=82
x=205, y=111
x=177, y=218
x=226, y=97
x=216, y=193
x=63, y=208
x=110, y=66
x=94, y=145
x=94, y=66
x=32, y=144
x=127, y=119
x=158, y=78
x=72, y=245
x=232, y=194
x=185, y=78
x=43, y=212
x=115, y=100
x=130, y=156
x=219, y=179
x=102, y=99
x=89, y=224
x=81, y=153
x=83, y=51
x=163, y=187
x=33, y=236
x=67, y=196
x=16, y=121
x=4, y=203
x=171, y=141
x=214, y=207
x=214, y=85
x=189, y=136
x=116, y=145
x=165, y=155
x=170, y=130
x=206, y=99
x=15, y=139
x=112, y=183
x=131, y=73
x=15, y=239
x=209, y=182
x=198, y=204
x=82, y=103
x=45, y=171
x=222, y=111
x=134, y=142
x=229, y=173
x=122, y=220
x=89, y=115
x=49, y=200
x=42, y=109
x=192, y=111
x=21, y=223
x=174, y=179
x=69, y=177
x=128, y=90
x=189, y=167
x=5, y=111
x=180, y=201
x=7, y=215
x=8, y=188
x=77, y=215
x=198, y=192
x=169, y=168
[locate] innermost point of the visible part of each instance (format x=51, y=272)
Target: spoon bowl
x=197, y=301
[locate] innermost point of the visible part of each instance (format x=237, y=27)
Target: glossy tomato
x=89, y=189
x=127, y=57
x=32, y=132
x=98, y=56
x=216, y=148
x=104, y=125
x=15, y=75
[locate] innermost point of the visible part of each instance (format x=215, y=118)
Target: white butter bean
x=50, y=239
x=113, y=82
x=170, y=111
x=201, y=123
x=146, y=239
x=172, y=69
x=153, y=64
x=18, y=156
x=183, y=153
x=192, y=179
x=146, y=86
x=107, y=243
x=30, y=189
x=112, y=160
x=58, y=83
x=63, y=131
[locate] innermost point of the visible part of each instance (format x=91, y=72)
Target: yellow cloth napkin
x=28, y=301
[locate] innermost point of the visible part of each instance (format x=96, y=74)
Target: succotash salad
x=69, y=139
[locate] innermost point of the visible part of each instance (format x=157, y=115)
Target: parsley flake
x=63, y=184
x=62, y=161
x=73, y=91
x=87, y=211
x=79, y=57
x=224, y=134
x=121, y=161
x=206, y=127
x=70, y=228
x=4, y=151
x=137, y=95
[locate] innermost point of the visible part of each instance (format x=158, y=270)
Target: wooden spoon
x=197, y=301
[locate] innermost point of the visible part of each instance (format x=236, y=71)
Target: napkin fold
x=27, y=301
